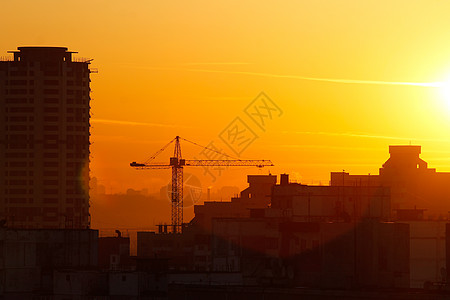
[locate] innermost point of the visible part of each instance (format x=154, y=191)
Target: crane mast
x=177, y=163
x=177, y=186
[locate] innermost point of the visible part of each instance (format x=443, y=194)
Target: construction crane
x=177, y=163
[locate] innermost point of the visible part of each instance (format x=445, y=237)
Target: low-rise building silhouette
x=292, y=234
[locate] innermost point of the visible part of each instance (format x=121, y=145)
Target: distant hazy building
x=44, y=132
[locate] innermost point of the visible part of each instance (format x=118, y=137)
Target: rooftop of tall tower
x=38, y=53
x=40, y=48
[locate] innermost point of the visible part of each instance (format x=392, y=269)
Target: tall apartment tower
x=44, y=139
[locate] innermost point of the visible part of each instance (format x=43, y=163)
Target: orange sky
x=189, y=68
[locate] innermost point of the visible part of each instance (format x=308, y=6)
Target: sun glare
x=444, y=88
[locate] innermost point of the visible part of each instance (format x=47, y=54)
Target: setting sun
x=444, y=89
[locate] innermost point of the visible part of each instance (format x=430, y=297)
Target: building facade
x=44, y=132
x=308, y=203
x=420, y=197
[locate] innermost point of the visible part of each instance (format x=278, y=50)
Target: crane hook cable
x=159, y=152
x=221, y=153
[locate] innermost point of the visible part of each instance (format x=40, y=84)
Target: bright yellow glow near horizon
x=445, y=93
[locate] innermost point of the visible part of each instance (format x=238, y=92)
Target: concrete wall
x=29, y=257
x=124, y=284
x=428, y=258
x=72, y=283
x=316, y=254
x=206, y=278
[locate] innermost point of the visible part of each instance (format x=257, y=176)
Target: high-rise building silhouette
x=44, y=139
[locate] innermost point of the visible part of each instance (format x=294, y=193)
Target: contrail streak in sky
x=350, y=81
x=104, y=121
x=362, y=135
x=332, y=80
x=215, y=63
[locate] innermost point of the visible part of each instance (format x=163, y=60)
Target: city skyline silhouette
x=345, y=104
